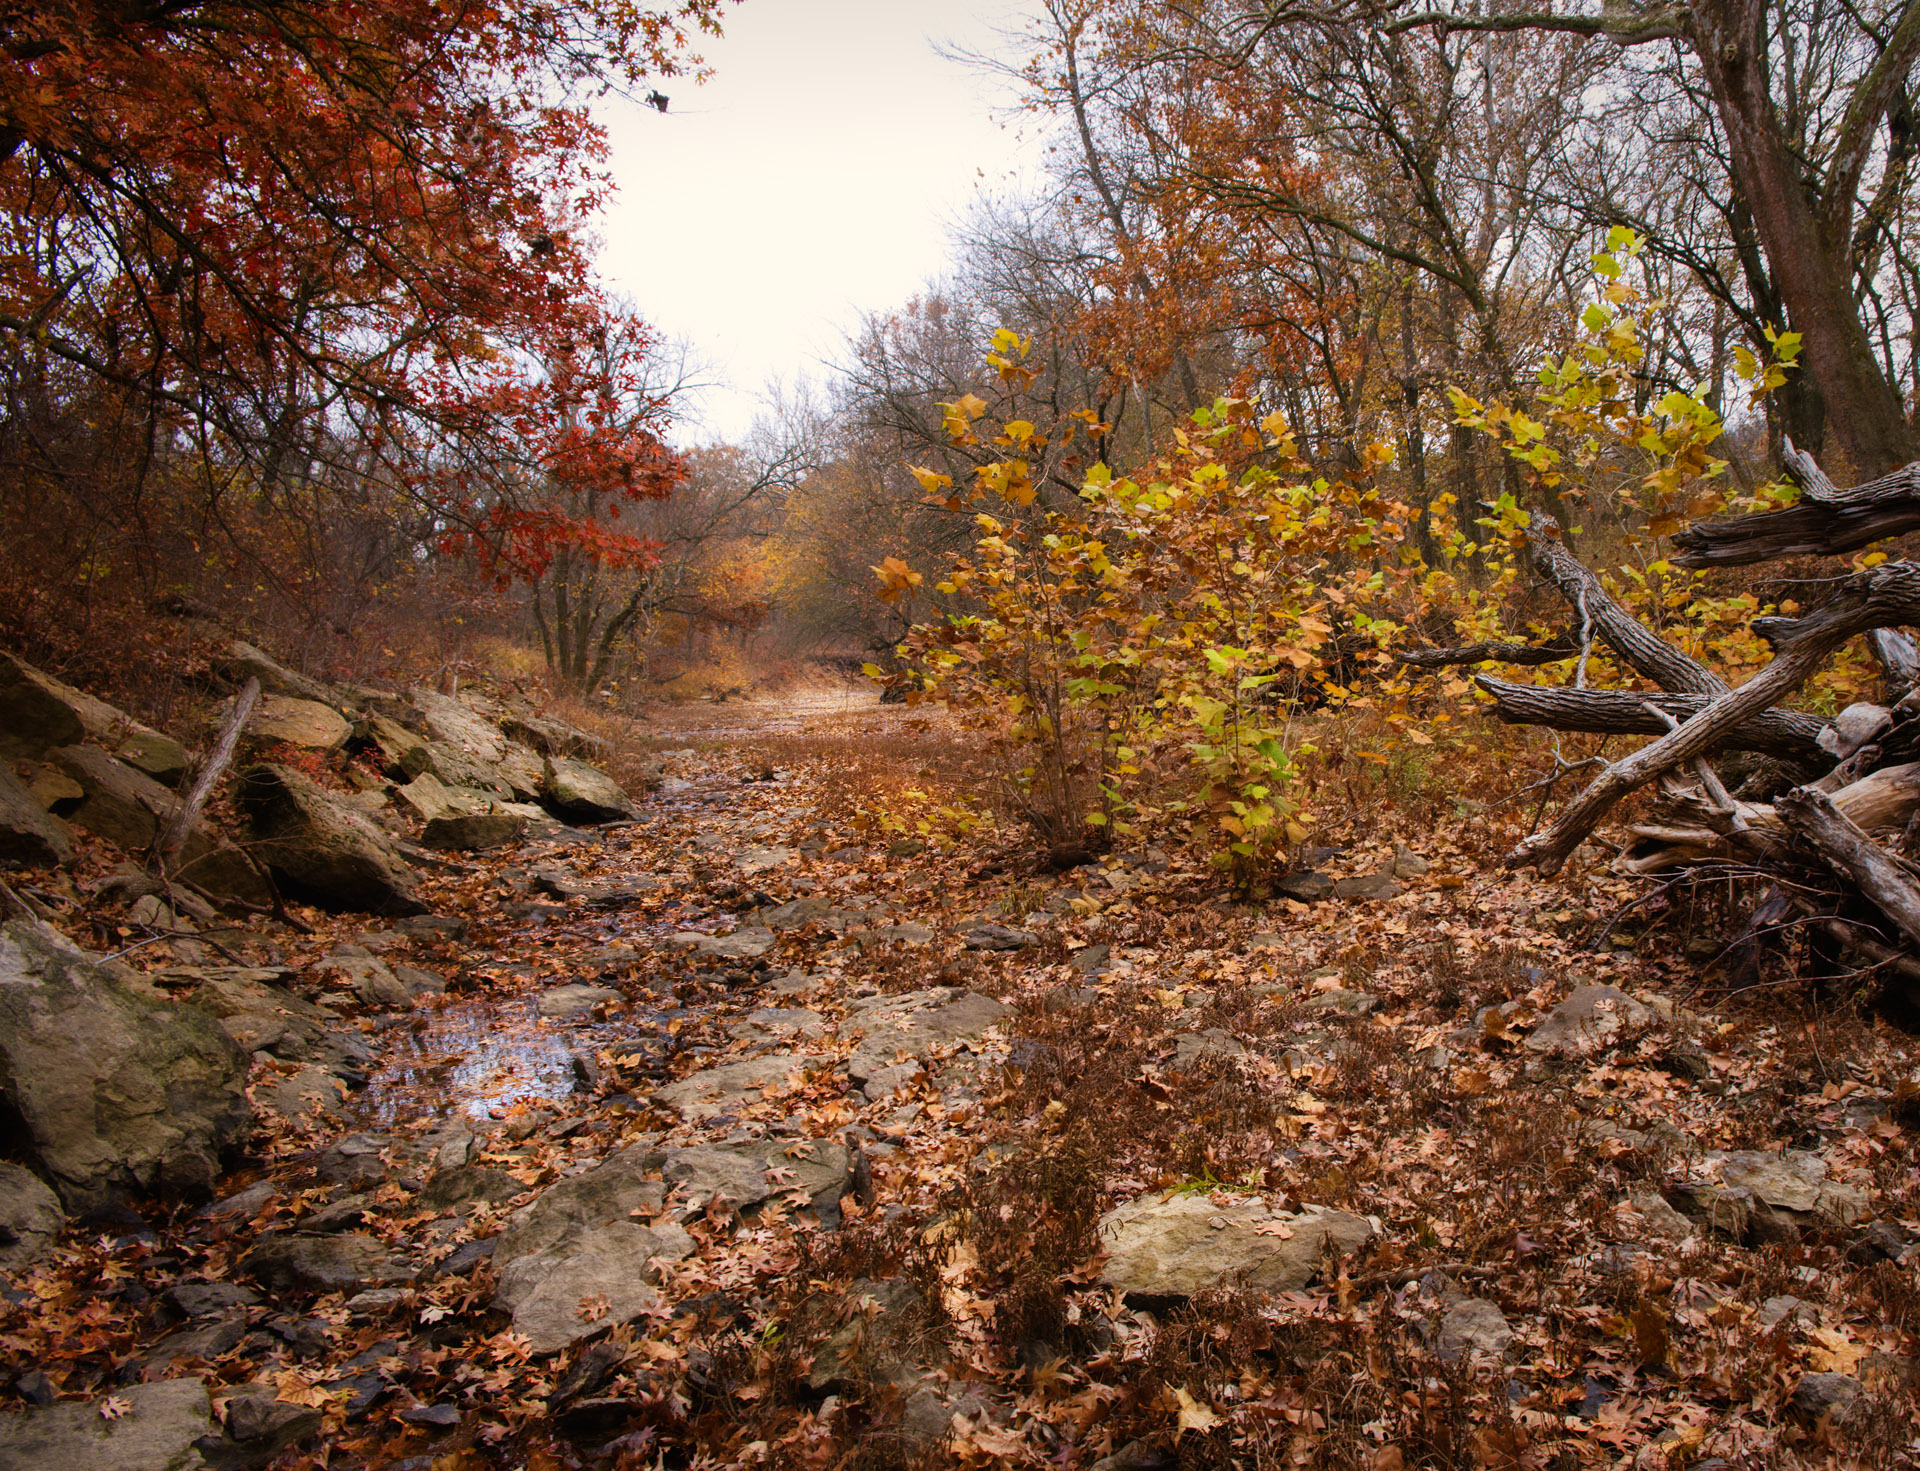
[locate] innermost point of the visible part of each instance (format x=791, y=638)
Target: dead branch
x=1787, y=734
x=1827, y=520
x=173, y=836
x=1853, y=855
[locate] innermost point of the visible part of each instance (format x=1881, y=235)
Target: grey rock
x=30, y=1219
x=906, y=847
x=307, y=724
x=346, y=1262
x=158, y=1432
x=709, y=1173
x=1177, y=1245
x=999, y=937
x=732, y=1085
x=1374, y=886
x=772, y=1024
x=323, y=847
x=1344, y=1002
x=115, y=1094
x=587, y=1285
x=1658, y=1219
x=613, y=1190
x=792, y=915
x=35, y=708
x=368, y=979
x=474, y=832
x=1191, y=1047
x=260, y=1427
x=1776, y=1310
x=456, y=723
x=1408, y=864
x=390, y=740
x=427, y=797
x=578, y=792
x=127, y=807
x=1590, y=1020
x=523, y=771
x=559, y=1002
x=875, y=1337
x=761, y=860
x=551, y=737
x=1473, y=1328
x=1817, y=1396
x=743, y=944
x=454, y=768
x=243, y=662
x=1090, y=960
x=1308, y=886
x=465, y=1185
x=211, y=1299
x=907, y=1027
x=30, y=836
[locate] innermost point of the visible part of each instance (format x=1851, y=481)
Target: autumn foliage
x=262, y=260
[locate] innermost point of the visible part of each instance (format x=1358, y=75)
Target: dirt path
x=746, y=1134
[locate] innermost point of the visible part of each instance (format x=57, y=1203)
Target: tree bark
x=1853, y=855
x=1787, y=734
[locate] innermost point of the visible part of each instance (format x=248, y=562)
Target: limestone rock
x=573, y=998
x=1590, y=1020
x=551, y=737
x=747, y=943
x=474, y=832
x=1473, y=1328
x=999, y=937
x=523, y=771
x=127, y=808
x=578, y=792
x=1380, y=885
x=1307, y=886
x=588, y=1285
x=30, y=1218
x=733, y=1085
x=157, y=1433
x=1192, y=1047
x=1408, y=864
x=456, y=723
x=760, y=860
x=39, y=713
x=29, y=835
x=610, y=1192
x=307, y=724
x=322, y=847
x=1177, y=1245
x=390, y=739
x=454, y=767
x=261, y=1426
x=343, y=1262
x=115, y=1094
x=892, y=1029
x=243, y=662
x=366, y=977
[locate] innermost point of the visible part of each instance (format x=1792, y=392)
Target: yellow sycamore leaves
x=895, y=580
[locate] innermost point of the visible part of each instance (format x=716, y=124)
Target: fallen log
x=1788, y=734
x=1827, y=520
x=1853, y=855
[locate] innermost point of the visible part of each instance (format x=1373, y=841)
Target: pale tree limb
x=1882, y=596
x=174, y=836
x=1850, y=853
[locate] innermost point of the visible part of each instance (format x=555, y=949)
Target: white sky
x=811, y=179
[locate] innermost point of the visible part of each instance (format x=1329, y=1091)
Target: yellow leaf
x=931, y=480
x=1832, y=1352
x=1194, y=1415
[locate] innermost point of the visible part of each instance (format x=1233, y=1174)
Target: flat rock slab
x=1191, y=1047
x=296, y=722
x=773, y=1024
x=742, y=944
x=157, y=1432
x=1381, y=885
x=1473, y=1328
x=110, y=1093
x=573, y=999
x=999, y=937
x=733, y=1085
x=759, y=860
x=583, y=793
x=903, y=1028
x=588, y=1284
x=1178, y=1245
x=1591, y=1019
x=345, y=1262
x=612, y=1191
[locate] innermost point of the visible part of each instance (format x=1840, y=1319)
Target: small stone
x=1819, y=1395
x=1371, y=886
x=440, y=1417
x=1167, y=1246
x=1780, y=1309
x=473, y=832
x=572, y=999
x=1473, y=1327
x=1591, y=1019
x=1307, y=886
x=999, y=937
x=1408, y=864
x=906, y=847
x=155, y=1432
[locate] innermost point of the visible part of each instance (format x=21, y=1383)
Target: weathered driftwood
x=1855, y=856
x=1827, y=520
x=1881, y=597
x=1788, y=734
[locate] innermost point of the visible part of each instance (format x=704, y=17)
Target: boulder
x=307, y=724
x=454, y=766
x=572, y=999
x=551, y=737
x=372, y=985
x=157, y=1431
x=39, y=713
x=30, y=836
x=243, y=661
x=427, y=797
x=390, y=739
x=115, y=1094
x=324, y=848
x=473, y=832
x=1768, y=1196
x=1591, y=1019
x=127, y=808
x=338, y=1262
x=260, y=1426
x=1379, y=885
x=587, y=1285
x=1178, y=1245
x=731, y=1086
x=1473, y=1328
x=892, y=1029
x=457, y=724
x=523, y=771
x=578, y=792
x=30, y=1218
x=614, y=1190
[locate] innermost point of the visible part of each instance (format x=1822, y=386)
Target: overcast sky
x=811, y=179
